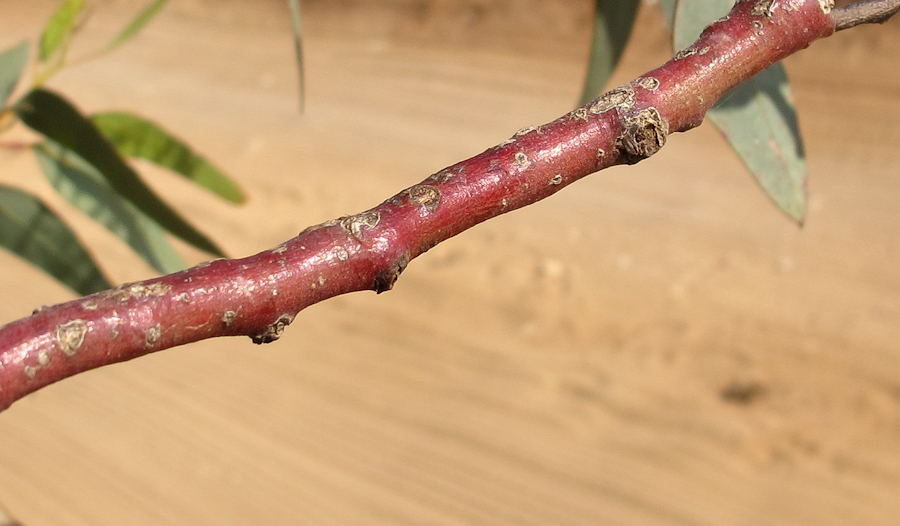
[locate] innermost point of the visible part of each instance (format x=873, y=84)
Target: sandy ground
x=655, y=345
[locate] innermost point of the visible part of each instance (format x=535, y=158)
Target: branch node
x=426, y=196
x=274, y=330
x=70, y=336
x=644, y=135
x=385, y=280
x=621, y=97
x=355, y=223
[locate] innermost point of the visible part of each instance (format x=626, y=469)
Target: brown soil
x=654, y=346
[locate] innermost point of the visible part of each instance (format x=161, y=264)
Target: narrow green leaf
x=12, y=64
x=35, y=233
x=690, y=18
x=59, y=29
x=298, y=48
x=137, y=24
x=51, y=115
x=80, y=184
x=758, y=118
x=760, y=121
x=613, y=21
x=139, y=138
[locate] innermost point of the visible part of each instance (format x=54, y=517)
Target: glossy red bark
x=260, y=295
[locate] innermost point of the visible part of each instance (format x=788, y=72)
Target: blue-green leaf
x=51, y=115
x=690, y=18
x=35, y=233
x=613, y=21
x=298, y=48
x=12, y=64
x=137, y=24
x=59, y=29
x=139, y=138
x=80, y=184
x=758, y=118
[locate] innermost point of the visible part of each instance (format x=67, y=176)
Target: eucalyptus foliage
x=85, y=159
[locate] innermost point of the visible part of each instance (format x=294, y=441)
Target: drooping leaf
x=51, y=115
x=59, y=29
x=139, y=138
x=138, y=23
x=80, y=184
x=690, y=18
x=613, y=20
x=298, y=48
x=758, y=118
x=35, y=233
x=760, y=121
x=12, y=64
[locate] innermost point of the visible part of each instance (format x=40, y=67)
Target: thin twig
x=864, y=12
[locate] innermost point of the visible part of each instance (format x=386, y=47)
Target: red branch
x=260, y=295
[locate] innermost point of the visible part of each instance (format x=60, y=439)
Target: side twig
x=864, y=12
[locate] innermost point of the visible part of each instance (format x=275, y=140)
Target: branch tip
x=864, y=12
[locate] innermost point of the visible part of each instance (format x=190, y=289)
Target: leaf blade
x=690, y=17
x=757, y=118
x=81, y=185
x=59, y=29
x=136, y=137
x=613, y=21
x=31, y=230
x=54, y=117
x=12, y=65
x=761, y=125
x=137, y=24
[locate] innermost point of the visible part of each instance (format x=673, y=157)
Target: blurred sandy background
x=655, y=345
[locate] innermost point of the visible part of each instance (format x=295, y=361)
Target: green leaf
x=35, y=233
x=690, y=18
x=760, y=121
x=139, y=138
x=613, y=21
x=137, y=24
x=12, y=64
x=51, y=115
x=80, y=184
x=59, y=29
x=298, y=48
x=758, y=118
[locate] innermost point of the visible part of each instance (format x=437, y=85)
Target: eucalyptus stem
x=260, y=295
